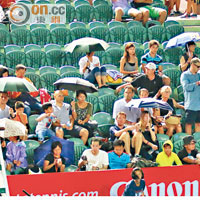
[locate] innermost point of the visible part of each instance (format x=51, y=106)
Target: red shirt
x=6, y=3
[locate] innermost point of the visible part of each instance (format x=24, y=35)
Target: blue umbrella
x=149, y=103
x=45, y=148
x=182, y=39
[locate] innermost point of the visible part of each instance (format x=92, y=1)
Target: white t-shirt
x=132, y=114
x=4, y=113
x=83, y=61
x=95, y=160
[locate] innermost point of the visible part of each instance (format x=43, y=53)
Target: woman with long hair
x=144, y=138
x=129, y=61
x=187, y=56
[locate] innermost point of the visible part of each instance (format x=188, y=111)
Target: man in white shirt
x=94, y=158
x=90, y=67
x=132, y=114
x=4, y=108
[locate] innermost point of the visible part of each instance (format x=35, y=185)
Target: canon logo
x=187, y=188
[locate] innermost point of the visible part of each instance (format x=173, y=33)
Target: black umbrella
x=75, y=84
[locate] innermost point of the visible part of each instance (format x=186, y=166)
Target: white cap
x=151, y=66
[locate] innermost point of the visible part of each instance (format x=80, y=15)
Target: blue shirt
x=191, y=90
x=114, y=129
x=118, y=162
x=133, y=190
x=147, y=59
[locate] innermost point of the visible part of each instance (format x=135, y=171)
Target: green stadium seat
x=198, y=145
x=106, y=103
x=47, y=79
x=168, y=66
x=12, y=47
x=119, y=34
x=174, y=30
x=180, y=93
x=151, y=23
x=32, y=123
x=113, y=56
x=196, y=136
x=197, y=51
x=137, y=34
x=100, y=2
x=35, y=78
x=42, y=2
x=63, y=2
x=71, y=74
x=30, y=70
x=93, y=99
x=96, y=24
x=100, y=32
x=161, y=139
x=104, y=130
x=4, y=37
x=139, y=52
x=102, y=118
x=170, y=22
x=29, y=47
x=103, y=13
x=45, y=69
x=75, y=57
x=100, y=55
x=14, y=58
x=67, y=68
x=55, y=25
x=114, y=45
x=24, y=1
x=178, y=136
x=35, y=58
x=37, y=25
x=103, y=91
x=114, y=24
x=77, y=24
x=3, y=26
x=14, y=26
x=178, y=145
x=84, y=13
x=78, y=150
x=173, y=55
x=55, y=58
x=48, y=47
x=134, y=23
x=81, y=2
x=70, y=13
x=157, y=33
x=79, y=32
x=40, y=36
x=2, y=58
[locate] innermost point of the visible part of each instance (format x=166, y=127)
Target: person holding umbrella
x=91, y=69
x=187, y=56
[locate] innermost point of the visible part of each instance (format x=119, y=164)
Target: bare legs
x=84, y=135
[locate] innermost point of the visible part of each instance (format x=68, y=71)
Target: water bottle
x=68, y=124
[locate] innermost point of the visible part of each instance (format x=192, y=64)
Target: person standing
x=190, y=80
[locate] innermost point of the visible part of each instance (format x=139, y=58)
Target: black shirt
x=183, y=154
x=165, y=112
x=152, y=86
x=186, y=59
x=50, y=158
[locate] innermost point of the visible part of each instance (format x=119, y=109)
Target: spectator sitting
x=167, y=157
x=122, y=7
x=190, y=80
x=132, y=114
x=189, y=155
x=94, y=158
x=64, y=113
x=4, y=108
x=90, y=68
x=32, y=103
x=153, y=57
x=187, y=56
x=45, y=122
x=149, y=10
x=121, y=132
x=144, y=140
x=129, y=61
x=3, y=71
x=117, y=158
x=16, y=154
x=161, y=114
x=191, y=6
x=82, y=111
x=54, y=162
x=151, y=81
x=20, y=116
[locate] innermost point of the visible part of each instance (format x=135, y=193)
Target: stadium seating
x=45, y=69
x=35, y=78
x=93, y=99
x=4, y=37
x=84, y=13
x=103, y=13
x=29, y=47
x=14, y=58
x=67, y=68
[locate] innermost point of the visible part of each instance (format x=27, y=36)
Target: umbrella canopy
x=14, y=84
x=182, y=39
x=75, y=84
x=149, y=103
x=86, y=45
x=45, y=148
x=11, y=128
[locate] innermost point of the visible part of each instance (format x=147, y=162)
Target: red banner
x=160, y=181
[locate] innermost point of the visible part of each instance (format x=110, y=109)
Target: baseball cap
x=195, y=61
x=188, y=139
x=151, y=66
x=20, y=66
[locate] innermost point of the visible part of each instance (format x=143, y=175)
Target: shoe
x=137, y=156
x=178, y=13
x=172, y=13
x=185, y=16
x=193, y=15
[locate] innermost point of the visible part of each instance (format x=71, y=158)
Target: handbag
x=173, y=120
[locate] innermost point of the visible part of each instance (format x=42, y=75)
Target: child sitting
x=16, y=154
x=45, y=122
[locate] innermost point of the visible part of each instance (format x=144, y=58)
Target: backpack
x=142, y=162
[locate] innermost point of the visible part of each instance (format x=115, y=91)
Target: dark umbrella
x=14, y=84
x=75, y=84
x=45, y=148
x=149, y=103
